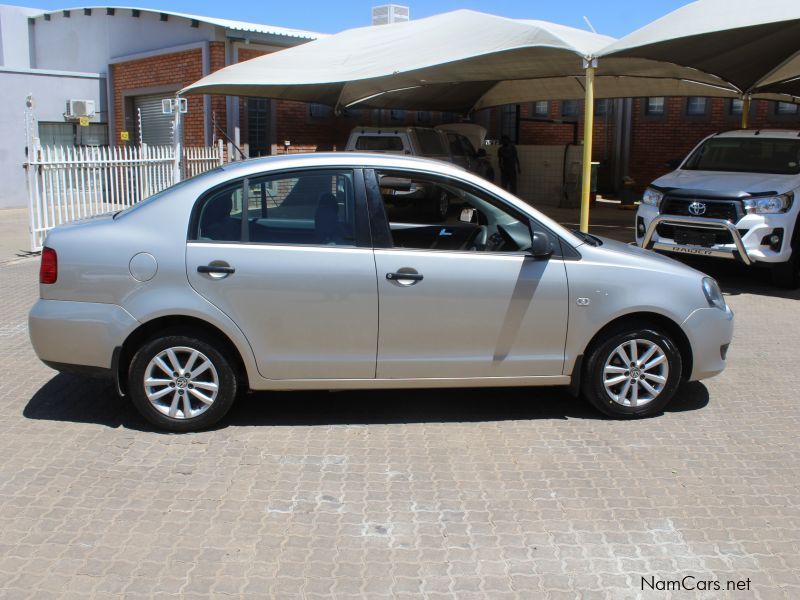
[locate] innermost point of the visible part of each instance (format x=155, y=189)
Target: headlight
x=713, y=293
x=652, y=197
x=769, y=204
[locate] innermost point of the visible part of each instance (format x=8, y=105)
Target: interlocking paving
x=404, y=494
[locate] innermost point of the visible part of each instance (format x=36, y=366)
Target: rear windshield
x=747, y=155
x=379, y=143
x=430, y=143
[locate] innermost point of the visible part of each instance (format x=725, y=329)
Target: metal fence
x=70, y=183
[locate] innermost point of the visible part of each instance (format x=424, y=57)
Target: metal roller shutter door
x=156, y=126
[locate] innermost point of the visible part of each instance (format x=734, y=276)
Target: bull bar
x=699, y=223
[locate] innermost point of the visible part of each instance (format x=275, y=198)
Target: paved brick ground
x=477, y=494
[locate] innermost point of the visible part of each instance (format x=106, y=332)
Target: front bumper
x=746, y=236
x=78, y=336
x=710, y=331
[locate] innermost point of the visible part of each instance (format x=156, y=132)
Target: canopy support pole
x=588, y=129
x=745, y=111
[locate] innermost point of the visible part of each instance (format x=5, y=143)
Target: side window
x=430, y=143
x=474, y=221
x=306, y=207
x=467, y=145
x=456, y=148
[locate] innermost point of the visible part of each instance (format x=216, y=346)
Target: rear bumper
x=710, y=331
x=78, y=336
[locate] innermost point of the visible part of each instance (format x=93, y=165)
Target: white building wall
x=88, y=43
x=50, y=92
x=14, y=43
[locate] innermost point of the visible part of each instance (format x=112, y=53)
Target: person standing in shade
x=509, y=164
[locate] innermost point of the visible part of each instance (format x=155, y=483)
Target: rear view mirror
x=541, y=245
x=467, y=215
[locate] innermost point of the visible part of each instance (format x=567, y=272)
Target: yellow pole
x=588, y=127
x=745, y=111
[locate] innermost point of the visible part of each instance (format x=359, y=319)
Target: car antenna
x=758, y=132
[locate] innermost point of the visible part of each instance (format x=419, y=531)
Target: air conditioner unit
x=79, y=108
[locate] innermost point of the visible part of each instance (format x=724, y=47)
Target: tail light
x=48, y=270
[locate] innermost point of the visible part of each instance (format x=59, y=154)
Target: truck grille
x=730, y=210
x=693, y=236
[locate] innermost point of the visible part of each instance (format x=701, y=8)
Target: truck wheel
x=181, y=383
x=635, y=372
x=787, y=274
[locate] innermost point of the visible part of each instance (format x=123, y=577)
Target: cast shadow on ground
x=735, y=278
x=69, y=398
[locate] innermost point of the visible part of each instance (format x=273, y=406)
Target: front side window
x=430, y=143
x=475, y=222
x=747, y=155
x=307, y=207
x=456, y=147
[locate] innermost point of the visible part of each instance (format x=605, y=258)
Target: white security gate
x=66, y=183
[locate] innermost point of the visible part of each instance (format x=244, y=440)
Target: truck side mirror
x=674, y=163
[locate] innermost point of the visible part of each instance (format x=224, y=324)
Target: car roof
x=338, y=159
x=767, y=133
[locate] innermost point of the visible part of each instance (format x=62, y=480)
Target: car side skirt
x=360, y=384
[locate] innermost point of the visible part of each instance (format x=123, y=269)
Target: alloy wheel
x=636, y=372
x=181, y=382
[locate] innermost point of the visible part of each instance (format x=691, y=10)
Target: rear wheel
x=181, y=383
x=634, y=373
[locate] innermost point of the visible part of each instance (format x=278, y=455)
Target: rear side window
x=308, y=208
x=379, y=143
x=430, y=143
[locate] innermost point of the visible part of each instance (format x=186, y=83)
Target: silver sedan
x=327, y=271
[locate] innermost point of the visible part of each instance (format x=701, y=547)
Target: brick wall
x=178, y=70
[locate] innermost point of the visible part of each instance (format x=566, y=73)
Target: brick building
x=636, y=137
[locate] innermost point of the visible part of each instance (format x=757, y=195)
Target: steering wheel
x=477, y=239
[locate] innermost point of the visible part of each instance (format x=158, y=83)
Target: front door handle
x=404, y=278
x=216, y=269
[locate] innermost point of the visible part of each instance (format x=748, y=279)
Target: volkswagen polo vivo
x=299, y=272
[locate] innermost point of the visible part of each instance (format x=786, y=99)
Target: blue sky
x=611, y=17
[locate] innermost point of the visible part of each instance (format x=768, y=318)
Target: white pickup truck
x=733, y=197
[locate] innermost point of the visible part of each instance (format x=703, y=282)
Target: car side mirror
x=541, y=245
x=674, y=163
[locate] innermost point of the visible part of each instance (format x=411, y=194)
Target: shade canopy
x=457, y=61
x=752, y=46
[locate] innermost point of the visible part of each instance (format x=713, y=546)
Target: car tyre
x=625, y=369
x=181, y=383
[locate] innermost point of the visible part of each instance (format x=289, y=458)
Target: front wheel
x=181, y=383
x=634, y=373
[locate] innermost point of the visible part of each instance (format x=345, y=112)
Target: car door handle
x=404, y=277
x=216, y=269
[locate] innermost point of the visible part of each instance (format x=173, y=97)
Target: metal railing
x=70, y=183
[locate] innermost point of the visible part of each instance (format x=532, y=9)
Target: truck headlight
x=652, y=196
x=769, y=204
x=713, y=293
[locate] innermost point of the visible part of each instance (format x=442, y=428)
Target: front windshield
x=780, y=156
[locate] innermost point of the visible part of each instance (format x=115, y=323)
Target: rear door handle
x=217, y=269
x=404, y=276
